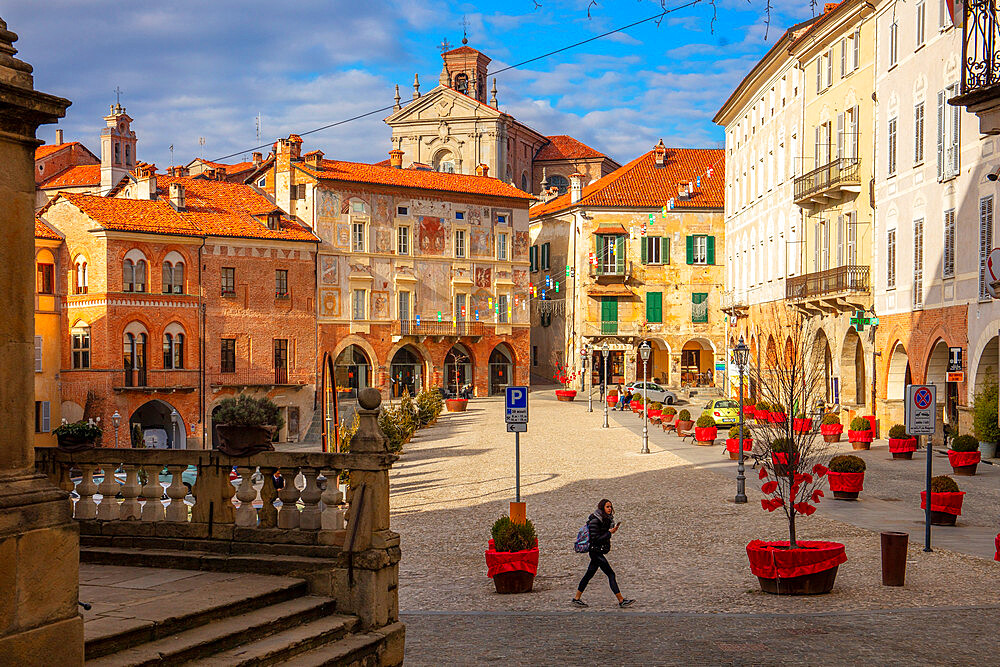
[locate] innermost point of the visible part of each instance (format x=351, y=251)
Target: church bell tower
x=465, y=70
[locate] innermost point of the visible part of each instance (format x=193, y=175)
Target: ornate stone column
x=39, y=542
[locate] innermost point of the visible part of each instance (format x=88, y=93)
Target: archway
x=697, y=364
x=458, y=370
x=989, y=364
x=937, y=374
x=824, y=356
x=658, y=366
x=352, y=372
x=406, y=372
x=444, y=160
x=898, y=375
x=160, y=425
x=771, y=357
x=852, y=368
x=501, y=369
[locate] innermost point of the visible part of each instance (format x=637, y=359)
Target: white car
x=654, y=392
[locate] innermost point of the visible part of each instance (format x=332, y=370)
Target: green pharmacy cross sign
x=860, y=321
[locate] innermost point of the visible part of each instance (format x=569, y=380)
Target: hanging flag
x=650, y=218
x=698, y=181
x=439, y=316
x=543, y=295
x=490, y=302
x=557, y=287
x=418, y=320
x=644, y=229
x=463, y=311
x=663, y=212
x=710, y=172
x=548, y=281
x=670, y=204
x=567, y=270
x=477, y=314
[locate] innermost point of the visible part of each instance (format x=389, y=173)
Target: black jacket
x=599, y=526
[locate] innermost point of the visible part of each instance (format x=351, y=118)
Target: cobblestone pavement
x=681, y=550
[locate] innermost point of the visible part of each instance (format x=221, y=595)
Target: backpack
x=582, y=544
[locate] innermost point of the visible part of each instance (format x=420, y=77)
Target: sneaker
x=626, y=603
x=580, y=603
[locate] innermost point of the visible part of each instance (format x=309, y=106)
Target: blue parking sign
x=516, y=405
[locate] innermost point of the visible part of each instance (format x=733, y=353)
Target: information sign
x=954, y=360
x=517, y=405
x=992, y=271
x=958, y=376
x=921, y=409
x=519, y=427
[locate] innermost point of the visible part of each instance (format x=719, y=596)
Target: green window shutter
x=545, y=256
x=533, y=257
x=665, y=249
x=654, y=307
x=690, y=250
x=645, y=250
x=711, y=249
x=699, y=307
x=620, y=253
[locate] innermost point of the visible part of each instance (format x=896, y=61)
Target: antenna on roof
x=258, y=127
x=201, y=140
x=171, y=155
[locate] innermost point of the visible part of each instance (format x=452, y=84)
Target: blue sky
x=206, y=69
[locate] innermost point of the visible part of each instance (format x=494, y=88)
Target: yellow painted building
x=48, y=347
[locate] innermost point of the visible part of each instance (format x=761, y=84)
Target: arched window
x=524, y=182
x=134, y=267
x=80, y=270
x=559, y=182
x=173, y=277
x=140, y=276
x=134, y=353
x=80, y=338
x=118, y=153
x=128, y=275
x=444, y=161
x=462, y=83
x=173, y=347
x=128, y=154
x=45, y=273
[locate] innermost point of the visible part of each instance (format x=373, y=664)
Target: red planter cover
x=705, y=434
x=776, y=417
x=846, y=481
x=802, y=425
x=859, y=436
x=769, y=560
x=511, y=561
x=871, y=420
x=963, y=458
x=902, y=445
x=565, y=392
x=997, y=543
x=782, y=458
x=654, y=413
x=612, y=401
x=733, y=445
x=949, y=502
x=761, y=415
x=635, y=405
x=749, y=411
x=831, y=429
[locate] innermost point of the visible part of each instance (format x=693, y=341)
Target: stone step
x=221, y=634
x=361, y=650
x=280, y=647
x=156, y=619
x=282, y=564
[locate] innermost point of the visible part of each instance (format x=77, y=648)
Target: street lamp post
x=174, y=436
x=116, y=420
x=584, y=355
x=644, y=351
x=741, y=355
x=604, y=378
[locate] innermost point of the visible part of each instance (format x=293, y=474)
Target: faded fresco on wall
x=380, y=304
x=520, y=278
x=382, y=210
x=329, y=269
x=431, y=235
x=484, y=277
x=329, y=303
x=520, y=245
x=476, y=215
x=382, y=269
x=479, y=241
x=343, y=236
x=481, y=302
x=327, y=205
x=383, y=240
x=434, y=288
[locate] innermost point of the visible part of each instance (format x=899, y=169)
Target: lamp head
x=741, y=354
x=644, y=350
x=116, y=419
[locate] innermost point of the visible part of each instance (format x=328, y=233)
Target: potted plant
x=667, y=416
x=860, y=433
x=733, y=441
x=246, y=425
x=762, y=412
x=512, y=557
x=946, y=501
x=846, y=476
x=429, y=406
x=456, y=404
x=802, y=424
x=901, y=444
x=777, y=414
x=964, y=455
x=655, y=412
x=984, y=417
x=831, y=428
x=783, y=455
x=749, y=410
x=78, y=436
x=565, y=376
x=705, y=430
x=684, y=422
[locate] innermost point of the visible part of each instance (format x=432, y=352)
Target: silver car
x=654, y=392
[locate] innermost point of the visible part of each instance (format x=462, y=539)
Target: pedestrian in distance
x=600, y=527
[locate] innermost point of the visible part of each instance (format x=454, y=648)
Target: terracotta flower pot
x=846, y=485
x=612, y=401
x=802, y=425
x=860, y=439
x=69, y=443
x=705, y=435
x=244, y=440
x=733, y=447
x=456, y=404
x=946, y=506
x=685, y=426
x=964, y=463
x=902, y=448
x=512, y=571
x=565, y=395
x=810, y=569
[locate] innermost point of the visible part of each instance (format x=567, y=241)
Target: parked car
x=654, y=392
x=723, y=411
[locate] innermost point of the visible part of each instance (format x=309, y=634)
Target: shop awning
x=610, y=228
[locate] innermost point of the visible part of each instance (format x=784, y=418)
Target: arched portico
x=160, y=425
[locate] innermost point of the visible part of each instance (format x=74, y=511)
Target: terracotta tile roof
x=43, y=231
x=382, y=163
x=131, y=215
x=357, y=172
x=640, y=184
x=74, y=177
x=462, y=50
x=563, y=147
x=49, y=149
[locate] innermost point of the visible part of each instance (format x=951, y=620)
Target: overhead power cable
x=655, y=17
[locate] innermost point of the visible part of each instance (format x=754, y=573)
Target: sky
x=207, y=70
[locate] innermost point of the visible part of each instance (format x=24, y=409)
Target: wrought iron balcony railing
x=832, y=281
x=842, y=171
x=250, y=377
x=146, y=379
x=980, y=47
x=434, y=328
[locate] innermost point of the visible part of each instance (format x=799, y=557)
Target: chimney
x=220, y=173
x=257, y=159
x=59, y=136
x=145, y=176
x=482, y=169
x=575, y=187
x=660, y=154
x=178, y=171
x=684, y=190
x=396, y=158
x=313, y=158
x=177, y=196
x=830, y=6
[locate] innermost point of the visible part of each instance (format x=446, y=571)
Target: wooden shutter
x=654, y=307
x=843, y=57
x=44, y=417
x=956, y=131
x=710, y=254
x=545, y=256
x=645, y=250
x=665, y=249
x=819, y=143
x=690, y=250
x=38, y=354
x=840, y=135
x=985, y=242
x=949, y=244
x=940, y=134
x=840, y=240
x=620, y=254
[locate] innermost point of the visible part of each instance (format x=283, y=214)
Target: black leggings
x=599, y=560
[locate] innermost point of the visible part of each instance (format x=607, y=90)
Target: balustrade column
x=108, y=488
x=152, y=491
x=332, y=499
x=311, y=517
x=177, y=510
x=268, y=514
x=288, y=513
x=246, y=515
x=130, y=509
x=86, y=507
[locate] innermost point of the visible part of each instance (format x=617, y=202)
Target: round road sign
x=992, y=271
x=922, y=398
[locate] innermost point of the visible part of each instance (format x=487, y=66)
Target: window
x=403, y=304
x=534, y=355
x=459, y=243
x=262, y=182
x=948, y=263
x=402, y=240
x=560, y=183
x=655, y=250
x=699, y=307
x=890, y=260
x=227, y=355
x=38, y=354
x=857, y=49
x=42, y=417
x=851, y=220
x=80, y=343
x=985, y=242
x=948, y=134
x=843, y=57
x=134, y=353
x=45, y=280
x=654, y=307
x=281, y=361
x=460, y=300
x=920, y=23
x=357, y=237
x=918, y=263
x=503, y=316
x=829, y=68
x=893, y=46
x=701, y=250
x=460, y=215
x=358, y=304
x=918, y=133
x=892, y=147
x=610, y=254
x=173, y=278
x=545, y=257
x=281, y=283
x=502, y=247
x=228, y=281
x=501, y=219
x=402, y=210
x=533, y=258
x=173, y=350
x=81, y=276
x=134, y=275
x=524, y=182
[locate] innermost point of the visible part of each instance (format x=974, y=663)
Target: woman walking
x=601, y=526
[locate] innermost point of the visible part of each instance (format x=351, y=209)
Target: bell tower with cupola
x=117, y=148
x=465, y=70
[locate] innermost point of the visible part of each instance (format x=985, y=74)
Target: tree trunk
x=791, y=530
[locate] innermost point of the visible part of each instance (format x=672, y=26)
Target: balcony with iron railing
x=610, y=328
x=839, y=281
x=427, y=328
x=827, y=181
x=157, y=380
x=612, y=270
x=257, y=377
x=980, y=85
